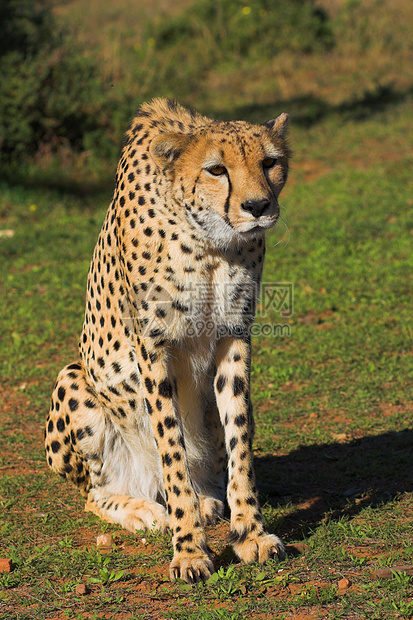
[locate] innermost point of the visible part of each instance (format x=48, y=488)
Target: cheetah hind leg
x=71, y=426
x=211, y=509
x=132, y=513
x=212, y=492
x=74, y=440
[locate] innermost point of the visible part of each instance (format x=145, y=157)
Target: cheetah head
x=227, y=176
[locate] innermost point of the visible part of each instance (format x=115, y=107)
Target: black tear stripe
x=226, y=208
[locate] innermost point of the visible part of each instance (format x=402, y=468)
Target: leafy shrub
x=220, y=35
x=51, y=92
x=228, y=29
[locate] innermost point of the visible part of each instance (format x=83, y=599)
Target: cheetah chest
x=220, y=300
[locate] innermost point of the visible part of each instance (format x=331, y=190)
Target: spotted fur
x=158, y=406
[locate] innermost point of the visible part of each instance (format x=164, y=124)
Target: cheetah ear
x=279, y=125
x=167, y=147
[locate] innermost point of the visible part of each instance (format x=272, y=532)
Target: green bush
x=51, y=92
x=230, y=29
x=220, y=35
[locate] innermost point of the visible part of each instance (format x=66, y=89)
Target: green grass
x=333, y=401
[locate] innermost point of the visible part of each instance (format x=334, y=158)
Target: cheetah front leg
x=250, y=540
x=191, y=561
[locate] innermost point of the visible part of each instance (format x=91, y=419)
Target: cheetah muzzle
x=154, y=422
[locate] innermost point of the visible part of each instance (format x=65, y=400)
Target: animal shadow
x=336, y=479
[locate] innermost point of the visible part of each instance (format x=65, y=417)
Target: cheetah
x=154, y=422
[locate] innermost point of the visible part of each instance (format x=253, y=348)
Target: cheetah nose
x=256, y=207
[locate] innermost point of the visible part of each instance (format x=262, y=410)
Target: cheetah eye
x=269, y=162
x=217, y=171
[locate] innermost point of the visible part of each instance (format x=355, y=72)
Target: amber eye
x=269, y=162
x=217, y=171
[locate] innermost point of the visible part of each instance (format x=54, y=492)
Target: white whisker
x=284, y=224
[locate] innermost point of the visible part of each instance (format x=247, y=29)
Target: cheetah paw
x=144, y=514
x=259, y=547
x=191, y=569
x=211, y=509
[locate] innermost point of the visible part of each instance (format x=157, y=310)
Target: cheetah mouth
x=260, y=225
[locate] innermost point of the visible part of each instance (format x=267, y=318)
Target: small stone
x=382, y=573
x=340, y=436
x=105, y=541
x=343, y=585
x=6, y=565
x=82, y=589
x=295, y=588
x=387, y=573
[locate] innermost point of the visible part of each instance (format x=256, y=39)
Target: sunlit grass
x=332, y=400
